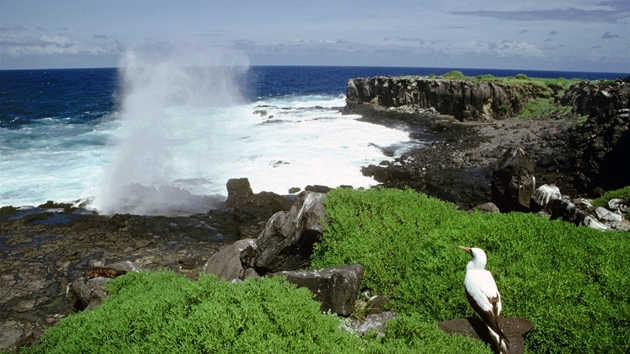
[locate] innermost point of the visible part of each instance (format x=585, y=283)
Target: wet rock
x=336, y=288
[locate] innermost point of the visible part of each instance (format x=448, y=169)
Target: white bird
x=484, y=296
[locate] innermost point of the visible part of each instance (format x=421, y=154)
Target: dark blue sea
x=146, y=140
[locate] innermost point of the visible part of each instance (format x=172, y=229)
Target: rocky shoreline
x=44, y=249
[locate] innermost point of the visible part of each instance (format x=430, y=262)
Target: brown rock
x=336, y=288
x=514, y=328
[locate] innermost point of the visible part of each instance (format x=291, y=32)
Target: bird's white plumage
x=484, y=296
x=479, y=282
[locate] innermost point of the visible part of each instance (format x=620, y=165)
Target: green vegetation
x=455, y=75
x=561, y=83
x=572, y=282
x=623, y=193
x=167, y=313
x=548, y=91
x=544, y=107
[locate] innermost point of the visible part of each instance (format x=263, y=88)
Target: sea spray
x=165, y=99
x=186, y=131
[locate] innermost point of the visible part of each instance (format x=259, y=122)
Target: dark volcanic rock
x=250, y=210
x=336, y=288
x=44, y=249
x=514, y=328
x=602, y=143
x=514, y=182
x=287, y=241
x=465, y=100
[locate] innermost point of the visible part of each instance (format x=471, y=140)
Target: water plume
x=166, y=98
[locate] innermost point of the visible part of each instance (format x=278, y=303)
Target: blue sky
x=566, y=35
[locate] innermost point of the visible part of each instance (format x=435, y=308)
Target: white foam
x=181, y=134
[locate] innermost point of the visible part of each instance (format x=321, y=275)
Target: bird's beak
x=465, y=249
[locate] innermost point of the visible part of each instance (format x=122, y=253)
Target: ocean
x=161, y=139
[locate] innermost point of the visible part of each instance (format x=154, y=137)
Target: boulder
x=84, y=294
x=87, y=292
x=227, y=263
x=618, y=205
x=13, y=338
x=238, y=190
x=336, y=288
x=251, y=211
x=514, y=183
x=545, y=194
x=606, y=215
x=286, y=243
x=566, y=210
x=488, y=208
x=514, y=328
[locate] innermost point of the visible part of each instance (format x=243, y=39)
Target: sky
x=556, y=35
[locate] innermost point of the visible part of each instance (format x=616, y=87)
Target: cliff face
x=602, y=143
x=465, y=100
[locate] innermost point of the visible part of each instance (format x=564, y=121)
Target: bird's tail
x=500, y=340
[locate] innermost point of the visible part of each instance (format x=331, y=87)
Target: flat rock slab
x=336, y=288
x=514, y=328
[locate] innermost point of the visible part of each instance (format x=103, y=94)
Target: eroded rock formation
x=465, y=100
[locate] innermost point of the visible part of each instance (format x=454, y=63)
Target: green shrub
x=570, y=281
x=454, y=75
x=167, y=313
x=521, y=77
x=544, y=107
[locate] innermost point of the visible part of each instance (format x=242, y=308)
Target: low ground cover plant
x=572, y=282
x=164, y=312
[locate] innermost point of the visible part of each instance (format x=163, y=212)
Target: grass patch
x=572, y=282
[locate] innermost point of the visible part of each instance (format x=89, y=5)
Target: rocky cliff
x=466, y=100
x=601, y=144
